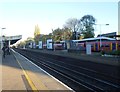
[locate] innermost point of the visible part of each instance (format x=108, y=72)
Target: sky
x=20, y=17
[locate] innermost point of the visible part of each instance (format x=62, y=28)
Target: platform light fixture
x=100, y=32
x=1, y=37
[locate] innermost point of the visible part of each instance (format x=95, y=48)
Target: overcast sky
x=20, y=18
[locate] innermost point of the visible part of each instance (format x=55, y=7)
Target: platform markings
x=46, y=72
x=34, y=89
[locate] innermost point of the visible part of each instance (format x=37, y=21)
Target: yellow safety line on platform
x=27, y=77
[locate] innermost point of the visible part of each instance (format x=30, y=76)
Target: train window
x=91, y=41
x=102, y=45
x=92, y=45
x=107, y=45
x=104, y=39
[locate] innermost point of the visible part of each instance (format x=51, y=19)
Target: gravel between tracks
x=94, y=57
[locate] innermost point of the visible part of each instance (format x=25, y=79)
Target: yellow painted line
x=27, y=77
x=110, y=46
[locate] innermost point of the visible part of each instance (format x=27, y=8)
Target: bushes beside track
x=116, y=52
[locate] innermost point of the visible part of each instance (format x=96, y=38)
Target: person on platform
x=4, y=49
x=7, y=50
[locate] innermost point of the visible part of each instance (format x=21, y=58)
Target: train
x=59, y=45
x=99, y=43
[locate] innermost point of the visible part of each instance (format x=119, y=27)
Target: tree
x=28, y=41
x=37, y=34
x=73, y=24
x=67, y=34
x=44, y=38
x=21, y=44
x=57, y=34
x=87, y=23
x=61, y=34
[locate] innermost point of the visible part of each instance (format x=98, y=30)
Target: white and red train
x=56, y=45
x=99, y=43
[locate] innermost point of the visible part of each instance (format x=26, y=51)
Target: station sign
x=49, y=44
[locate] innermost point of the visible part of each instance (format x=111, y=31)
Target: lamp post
x=100, y=32
x=1, y=37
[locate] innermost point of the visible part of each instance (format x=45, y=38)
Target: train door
x=113, y=46
x=96, y=46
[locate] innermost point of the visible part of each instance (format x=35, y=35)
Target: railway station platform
x=19, y=73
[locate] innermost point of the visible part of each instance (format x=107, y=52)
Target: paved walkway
x=0, y=70
x=11, y=74
x=18, y=73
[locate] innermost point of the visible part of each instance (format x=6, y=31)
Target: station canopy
x=12, y=39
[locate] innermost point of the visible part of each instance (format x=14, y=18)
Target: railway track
x=78, y=78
